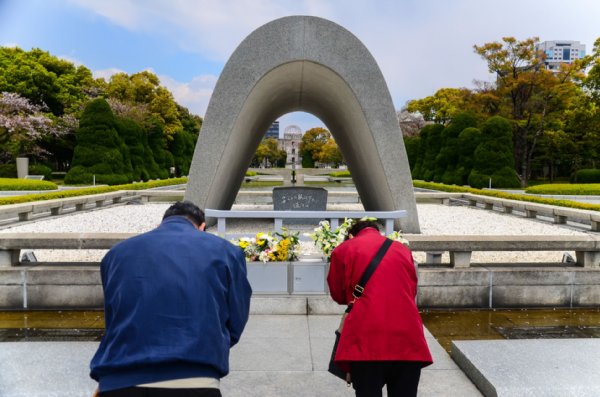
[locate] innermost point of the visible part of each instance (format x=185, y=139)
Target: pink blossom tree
x=23, y=125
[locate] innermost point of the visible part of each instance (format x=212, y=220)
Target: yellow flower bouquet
x=266, y=247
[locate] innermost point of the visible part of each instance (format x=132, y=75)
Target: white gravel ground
x=433, y=218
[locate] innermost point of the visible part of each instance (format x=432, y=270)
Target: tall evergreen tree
x=447, y=159
x=432, y=146
x=100, y=151
x=493, y=157
x=158, y=144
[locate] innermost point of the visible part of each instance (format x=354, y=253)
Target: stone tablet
x=300, y=199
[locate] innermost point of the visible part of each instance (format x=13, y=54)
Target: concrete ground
x=540, y=367
x=279, y=355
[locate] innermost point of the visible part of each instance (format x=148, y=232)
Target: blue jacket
x=175, y=300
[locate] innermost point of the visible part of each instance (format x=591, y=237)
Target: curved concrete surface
x=309, y=64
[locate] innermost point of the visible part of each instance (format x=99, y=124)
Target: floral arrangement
x=266, y=247
x=326, y=239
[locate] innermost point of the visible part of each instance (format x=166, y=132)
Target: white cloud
x=74, y=61
x=106, y=73
x=10, y=45
x=194, y=94
x=421, y=46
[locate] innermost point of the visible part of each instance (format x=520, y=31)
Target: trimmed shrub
x=100, y=151
x=448, y=157
x=412, y=144
x=340, y=174
x=432, y=149
x=163, y=158
x=25, y=184
x=510, y=196
x=91, y=190
x=506, y=178
x=478, y=180
x=588, y=189
x=182, y=149
x=590, y=175
x=135, y=138
x=40, y=169
x=452, y=176
x=468, y=140
x=493, y=157
x=8, y=170
x=251, y=173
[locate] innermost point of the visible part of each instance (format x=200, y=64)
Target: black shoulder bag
x=358, y=291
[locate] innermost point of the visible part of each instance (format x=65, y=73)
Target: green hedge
x=90, y=190
x=588, y=189
x=591, y=175
x=25, y=184
x=340, y=174
x=504, y=195
x=40, y=169
x=10, y=171
x=251, y=173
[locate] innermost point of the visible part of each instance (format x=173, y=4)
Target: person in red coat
x=382, y=341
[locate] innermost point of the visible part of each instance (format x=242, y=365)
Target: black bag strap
x=360, y=287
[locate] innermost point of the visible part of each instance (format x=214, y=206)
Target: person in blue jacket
x=176, y=299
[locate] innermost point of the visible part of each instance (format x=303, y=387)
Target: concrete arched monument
x=310, y=64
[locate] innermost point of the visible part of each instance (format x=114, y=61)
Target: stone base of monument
x=300, y=198
x=298, y=277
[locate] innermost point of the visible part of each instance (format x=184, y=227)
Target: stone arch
x=310, y=64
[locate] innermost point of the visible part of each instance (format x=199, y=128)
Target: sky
x=420, y=45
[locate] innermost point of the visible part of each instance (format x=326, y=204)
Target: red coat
x=384, y=323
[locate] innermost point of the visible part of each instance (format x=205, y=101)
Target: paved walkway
x=278, y=356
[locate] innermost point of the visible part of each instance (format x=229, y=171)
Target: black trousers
x=159, y=392
x=400, y=377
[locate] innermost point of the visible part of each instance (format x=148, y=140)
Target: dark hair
x=359, y=225
x=186, y=209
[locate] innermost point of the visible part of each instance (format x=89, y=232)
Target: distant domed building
x=292, y=136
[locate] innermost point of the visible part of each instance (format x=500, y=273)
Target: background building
x=560, y=51
x=292, y=136
x=273, y=131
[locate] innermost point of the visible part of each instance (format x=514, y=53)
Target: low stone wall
x=508, y=287
x=78, y=286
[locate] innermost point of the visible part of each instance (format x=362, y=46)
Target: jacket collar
x=367, y=230
x=178, y=220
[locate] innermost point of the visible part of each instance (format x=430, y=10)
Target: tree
x=47, y=81
x=330, y=153
x=468, y=140
x=442, y=106
x=447, y=159
x=412, y=145
x=133, y=136
x=157, y=141
x=493, y=157
x=592, y=81
x=269, y=149
x=100, y=151
x=58, y=88
x=311, y=145
x=431, y=147
x=22, y=125
x=410, y=122
x=144, y=89
x=531, y=95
